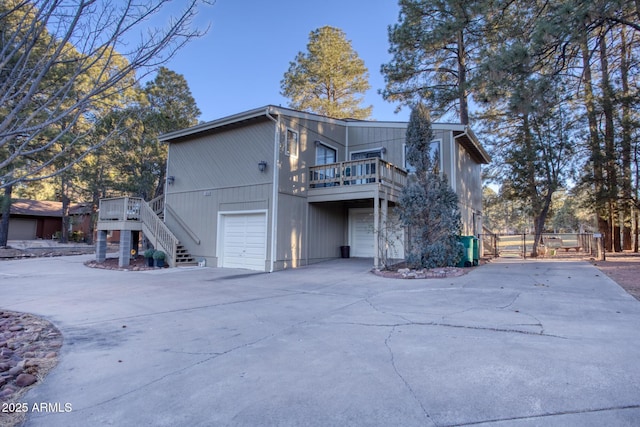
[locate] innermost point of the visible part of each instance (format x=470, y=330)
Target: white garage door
x=244, y=241
x=361, y=235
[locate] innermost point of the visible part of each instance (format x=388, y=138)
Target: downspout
x=274, y=196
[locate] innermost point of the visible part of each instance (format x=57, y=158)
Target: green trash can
x=467, y=256
x=476, y=250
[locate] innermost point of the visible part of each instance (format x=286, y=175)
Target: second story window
x=325, y=155
x=435, y=157
x=291, y=148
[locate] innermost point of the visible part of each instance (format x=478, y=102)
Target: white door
x=244, y=240
x=361, y=232
x=361, y=235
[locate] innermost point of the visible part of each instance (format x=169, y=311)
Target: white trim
x=440, y=160
x=286, y=142
x=274, y=195
x=315, y=152
x=220, y=230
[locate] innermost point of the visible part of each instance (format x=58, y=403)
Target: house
x=41, y=219
x=274, y=188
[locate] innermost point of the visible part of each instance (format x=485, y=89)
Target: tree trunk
x=637, y=220
x=6, y=212
x=64, y=233
x=625, y=149
x=462, y=80
x=596, y=157
x=610, y=148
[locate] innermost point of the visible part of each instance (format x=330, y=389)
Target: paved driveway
x=509, y=344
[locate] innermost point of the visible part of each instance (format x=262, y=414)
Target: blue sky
x=239, y=64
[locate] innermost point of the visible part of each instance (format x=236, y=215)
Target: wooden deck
x=357, y=179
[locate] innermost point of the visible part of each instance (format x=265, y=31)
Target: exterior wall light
x=262, y=166
x=171, y=179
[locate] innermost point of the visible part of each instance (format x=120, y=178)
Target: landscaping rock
x=25, y=380
x=29, y=350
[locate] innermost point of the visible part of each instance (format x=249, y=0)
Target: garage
x=361, y=235
x=243, y=240
x=23, y=229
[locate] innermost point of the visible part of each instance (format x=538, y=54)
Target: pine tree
x=329, y=79
x=428, y=205
x=433, y=48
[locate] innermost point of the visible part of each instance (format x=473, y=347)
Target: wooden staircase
x=134, y=214
x=183, y=257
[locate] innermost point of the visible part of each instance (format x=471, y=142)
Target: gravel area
x=29, y=349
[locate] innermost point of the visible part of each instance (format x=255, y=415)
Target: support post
x=125, y=248
x=376, y=228
x=101, y=246
x=384, y=230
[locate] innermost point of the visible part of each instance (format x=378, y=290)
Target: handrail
x=136, y=209
x=156, y=227
x=157, y=204
x=183, y=224
x=355, y=172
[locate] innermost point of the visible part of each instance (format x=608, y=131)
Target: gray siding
x=214, y=173
x=328, y=225
x=363, y=138
x=294, y=172
x=291, y=231
x=469, y=189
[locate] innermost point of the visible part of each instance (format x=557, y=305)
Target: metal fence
x=557, y=245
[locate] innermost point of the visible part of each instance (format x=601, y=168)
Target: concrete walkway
x=539, y=343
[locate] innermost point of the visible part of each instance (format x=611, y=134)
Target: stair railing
x=162, y=238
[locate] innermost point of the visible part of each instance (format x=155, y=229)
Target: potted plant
x=159, y=256
x=148, y=255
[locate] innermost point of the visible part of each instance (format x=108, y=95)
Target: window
x=291, y=148
x=368, y=168
x=435, y=157
x=325, y=155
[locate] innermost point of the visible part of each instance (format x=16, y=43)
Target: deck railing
x=136, y=209
x=356, y=172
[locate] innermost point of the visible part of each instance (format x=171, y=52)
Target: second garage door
x=361, y=235
x=244, y=240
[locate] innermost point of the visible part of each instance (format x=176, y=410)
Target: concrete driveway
x=509, y=344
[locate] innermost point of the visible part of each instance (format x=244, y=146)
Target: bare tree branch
x=63, y=63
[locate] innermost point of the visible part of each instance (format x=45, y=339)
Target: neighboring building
x=38, y=219
x=274, y=188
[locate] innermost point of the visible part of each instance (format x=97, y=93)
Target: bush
x=159, y=255
x=149, y=253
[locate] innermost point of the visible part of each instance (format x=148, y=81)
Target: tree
x=59, y=65
x=428, y=205
x=60, y=71
x=433, y=47
x=137, y=155
x=329, y=78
